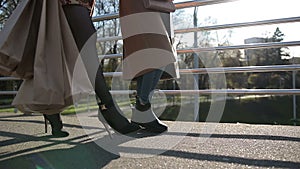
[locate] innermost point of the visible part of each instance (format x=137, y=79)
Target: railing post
x=88, y=104
x=294, y=100
x=196, y=66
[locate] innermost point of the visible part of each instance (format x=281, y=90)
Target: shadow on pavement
x=82, y=152
x=88, y=155
x=91, y=156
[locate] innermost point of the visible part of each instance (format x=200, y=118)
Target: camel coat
x=147, y=42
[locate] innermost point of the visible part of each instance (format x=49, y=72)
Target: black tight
x=83, y=30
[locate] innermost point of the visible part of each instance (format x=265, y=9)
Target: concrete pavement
x=24, y=145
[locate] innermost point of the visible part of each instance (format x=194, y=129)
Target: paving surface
x=25, y=145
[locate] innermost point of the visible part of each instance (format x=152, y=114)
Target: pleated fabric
x=37, y=45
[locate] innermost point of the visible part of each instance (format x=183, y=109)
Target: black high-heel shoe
x=111, y=116
x=56, y=125
x=108, y=111
x=144, y=116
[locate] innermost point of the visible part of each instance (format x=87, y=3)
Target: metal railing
x=293, y=68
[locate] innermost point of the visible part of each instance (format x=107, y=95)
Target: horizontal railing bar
x=112, y=74
x=110, y=56
x=188, y=4
x=8, y=92
x=272, y=68
x=110, y=38
x=179, y=5
x=221, y=91
x=245, y=46
x=9, y=78
x=6, y=106
x=218, y=27
x=237, y=91
x=105, y=17
x=261, y=69
x=220, y=48
x=206, y=92
x=238, y=25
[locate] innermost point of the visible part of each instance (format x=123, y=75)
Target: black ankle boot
x=56, y=125
x=145, y=117
x=111, y=114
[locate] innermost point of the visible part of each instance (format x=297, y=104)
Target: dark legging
x=146, y=84
x=83, y=29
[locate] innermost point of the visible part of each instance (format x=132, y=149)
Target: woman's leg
x=143, y=113
x=84, y=34
x=146, y=84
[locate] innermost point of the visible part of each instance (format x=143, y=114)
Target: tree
x=275, y=56
x=271, y=56
x=6, y=8
x=108, y=28
x=232, y=58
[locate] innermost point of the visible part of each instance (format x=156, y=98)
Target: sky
x=254, y=10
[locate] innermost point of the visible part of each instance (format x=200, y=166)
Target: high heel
x=108, y=111
x=56, y=125
x=46, y=125
x=105, y=124
x=111, y=115
x=144, y=116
